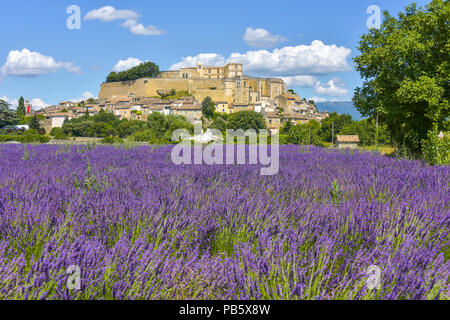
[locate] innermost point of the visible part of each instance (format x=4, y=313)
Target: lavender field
x=140, y=227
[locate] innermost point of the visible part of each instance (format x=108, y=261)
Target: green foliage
x=58, y=134
x=26, y=138
x=6, y=138
x=406, y=73
x=27, y=120
x=174, y=95
x=144, y=70
x=436, y=150
x=219, y=124
x=31, y=132
x=21, y=107
x=166, y=95
x=7, y=116
x=112, y=140
x=246, y=120
x=159, y=128
x=208, y=107
x=335, y=193
x=366, y=130
x=340, y=121
x=283, y=139
x=144, y=136
x=34, y=123
x=286, y=127
x=158, y=123
x=305, y=134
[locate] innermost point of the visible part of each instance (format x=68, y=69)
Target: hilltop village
x=181, y=92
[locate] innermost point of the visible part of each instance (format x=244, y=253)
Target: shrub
x=32, y=138
x=436, y=149
x=57, y=133
x=6, y=138
x=31, y=132
x=112, y=140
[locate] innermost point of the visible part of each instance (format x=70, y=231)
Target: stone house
x=347, y=142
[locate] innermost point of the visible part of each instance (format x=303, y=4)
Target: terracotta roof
x=188, y=107
x=294, y=116
x=271, y=115
x=57, y=114
x=347, y=138
x=116, y=99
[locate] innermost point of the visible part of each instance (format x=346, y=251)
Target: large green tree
x=7, y=116
x=35, y=124
x=21, y=107
x=339, y=121
x=406, y=70
x=144, y=70
x=246, y=120
x=208, y=107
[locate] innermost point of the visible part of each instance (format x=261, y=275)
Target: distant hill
x=340, y=107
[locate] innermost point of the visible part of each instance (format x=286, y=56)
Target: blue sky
x=309, y=43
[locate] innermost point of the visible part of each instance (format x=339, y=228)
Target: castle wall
x=240, y=90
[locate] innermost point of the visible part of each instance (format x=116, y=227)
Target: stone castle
x=223, y=84
x=227, y=86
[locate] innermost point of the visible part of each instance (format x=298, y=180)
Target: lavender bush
x=140, y=227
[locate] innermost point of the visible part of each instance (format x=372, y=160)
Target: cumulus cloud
x=208, y=59
x=35, y=102
x=38, y=104
x=27, y=63
x=334, y=88
x=261, y=38
x=300, y=81
x=123, y=65
x=109, y=13
x=318, y=99
x=315, y=59
x=85, y=96
x=140, y=29
x=13, y=102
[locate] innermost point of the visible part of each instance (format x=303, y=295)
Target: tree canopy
x=21, y=107
x=208, y=107
x=406, y=70
x=144, y=70
x=7, y=116
x=246, y=120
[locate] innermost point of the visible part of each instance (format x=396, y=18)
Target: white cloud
x=12, y=102
x=315, y=59
x=208, y=59
x=140, y=29
x=85, y=96
x=109, y=13
x=38, y=104
x=261, y=38
x=300, y=81
x=318, y=100
x=35, y=102
x=123, y=65
x=334, y=88
x=27, y=63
